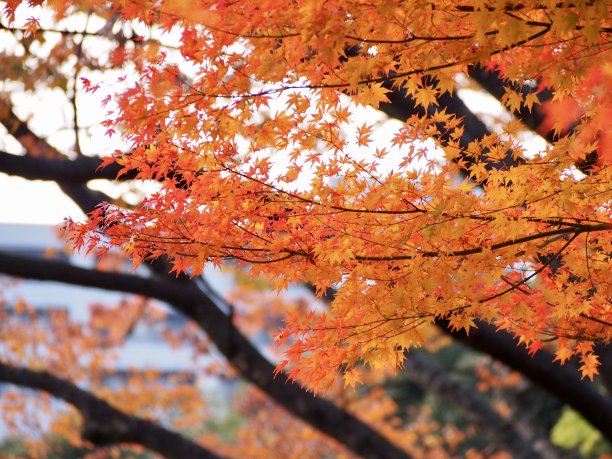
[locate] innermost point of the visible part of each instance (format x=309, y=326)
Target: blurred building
x=145, y=347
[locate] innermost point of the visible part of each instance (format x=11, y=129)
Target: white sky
x=34, y=202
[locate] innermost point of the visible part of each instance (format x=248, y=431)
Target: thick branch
x=36, y=146
x=532, y=118
x=102, y=423
x=402, y=106
x=188, y=299
x=80, y=170
x=492, y=83
x=531, y=425
x=70, y=172
x=561, y=381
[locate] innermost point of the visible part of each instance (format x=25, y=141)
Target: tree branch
x=532, y=118
x=34, y=144
x=402, y=106
x=38, y=147
x=561, y=381
x=79, y=170
x=102, y=423
x=492, y=83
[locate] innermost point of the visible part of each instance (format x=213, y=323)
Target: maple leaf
x=31, y=26
x=426, y=96
x=560, y=115
x=531, y=99
x=563, y=354
x=513, y=100
x=590, y=362
x=605, y=147
x=462, y=322
x=364, y=133
x=280, y=367
x=373, y=94
x=351, y=378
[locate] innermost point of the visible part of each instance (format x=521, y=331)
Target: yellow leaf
x=589, y=366
x=372, y=94
x=531, y=99
x=512, y=99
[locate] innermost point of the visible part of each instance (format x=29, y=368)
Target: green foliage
x=60, y=448
x=13, y=447
x=572, y=431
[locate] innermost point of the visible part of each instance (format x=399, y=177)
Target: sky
x=23, y=201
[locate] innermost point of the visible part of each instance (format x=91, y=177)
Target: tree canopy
x=263, y=160
x=257, y=125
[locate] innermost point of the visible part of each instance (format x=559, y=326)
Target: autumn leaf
x=373, y=94
x=590, y=362
x=560, y=115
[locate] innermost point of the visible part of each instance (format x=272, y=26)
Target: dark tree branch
x=495, y=85
x=188, y=299
x=38, y=147
x=102, y=423
x=402, y=106
x=605, y=371
x=33, y=144
x=534, y=118
x=80, y=170
x=70, y=172
x=521, y=400
x=561, y=381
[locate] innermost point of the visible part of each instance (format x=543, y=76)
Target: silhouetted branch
x=79, y=170
x=102, y=423
x=36, y=146
x=561, y=381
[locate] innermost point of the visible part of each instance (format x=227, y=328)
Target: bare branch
x=36, y=146
x=102, y=423
x=80, y=170
x=561, y=381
